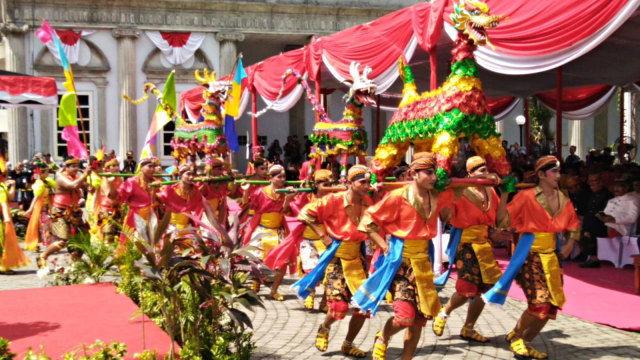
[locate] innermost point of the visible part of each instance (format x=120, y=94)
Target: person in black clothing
x=572, y=159
x=22, y=176
x=592, y=228
x=129, y=164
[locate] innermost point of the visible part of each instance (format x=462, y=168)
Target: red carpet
x=63, y=317
x=605, y=295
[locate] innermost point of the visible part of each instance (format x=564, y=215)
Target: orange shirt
x=401, y=214
x=331, y=211
x=467, y=210
x=528, y=212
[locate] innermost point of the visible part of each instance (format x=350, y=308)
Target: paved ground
x=287, y=331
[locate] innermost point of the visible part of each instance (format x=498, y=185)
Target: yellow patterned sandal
x=322, y=339
x=277, y=297
x=535, y=354
x=349, y=349
x=472, y=335
x=519, y=349
x=510, y=336
x=439, y=322
x=41, y=261
x=255, y=286
x=309, y=302
x=379, y=350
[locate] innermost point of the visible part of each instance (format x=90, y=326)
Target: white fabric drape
x=286, y=102
x=508, y=110
x=176, y=55
x=71, y=51
x=517, y=65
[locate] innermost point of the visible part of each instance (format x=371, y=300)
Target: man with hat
x=39, y=226
x=410, y=215
x=66, y=214
x=108, y=202
x=268, y=227
x=182, y=198
x=335, y=218
x=216, y=192
x=473, y=213
x=539, y=214
x=137, y=193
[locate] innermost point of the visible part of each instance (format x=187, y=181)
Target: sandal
x=379, y=350
x=519, y=349
x=349, y=349
x=472, y=335
x=510, y=336
x=322, y=339
x=309, y=302
x=255, y=286
x=439, y=322
x=535, y=354
x=41, y=261
x=277, y=297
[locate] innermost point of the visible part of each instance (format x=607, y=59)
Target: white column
x=18, y=129
x=128, y=130
x=575, y=137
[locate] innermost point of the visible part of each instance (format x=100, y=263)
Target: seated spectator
x=592, y=227
x=621, y=213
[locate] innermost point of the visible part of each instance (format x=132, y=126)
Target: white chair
x=618, y=250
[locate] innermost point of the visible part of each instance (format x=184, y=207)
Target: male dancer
x=66, y=214
x=268, y=226
x=216, y=192
x=343, y=263
x=410, y=216
x=137, y=194
x=539, y=214
x=108, y=202
x=477, y=268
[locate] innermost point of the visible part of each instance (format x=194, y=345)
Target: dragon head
x=363, y=89
x=216, y=92
x=473, y=19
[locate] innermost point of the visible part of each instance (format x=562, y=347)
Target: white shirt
x=625, y=210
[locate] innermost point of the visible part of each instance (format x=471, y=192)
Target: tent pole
x=559, y=113
x=320, y=95
x=527, y=125
x=377, y=120
x=433, y=62
x=621, y=149
x=254, y=119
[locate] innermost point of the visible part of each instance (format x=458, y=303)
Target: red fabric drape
x=176, y=39
x=574, y=99
x=266, y=76
x=17, y=85
x=69, y=37
x=546, y=26
x=498, y=105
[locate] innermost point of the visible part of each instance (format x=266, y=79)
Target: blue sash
x=373, y=291
x=305, y=286
x=498, y=293
x=452, y=249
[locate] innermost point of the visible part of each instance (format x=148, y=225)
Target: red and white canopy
x=592, y=40
x=25, y=90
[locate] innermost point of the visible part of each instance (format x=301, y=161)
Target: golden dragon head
x=473, y=19
x=214, y=90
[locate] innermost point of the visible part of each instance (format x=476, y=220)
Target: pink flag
x=45, y=32
x=75, y=147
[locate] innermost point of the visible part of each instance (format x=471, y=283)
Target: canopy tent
x=26, y=90
x=591, y=40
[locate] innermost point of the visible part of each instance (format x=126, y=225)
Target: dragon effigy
x=435, y=121
x=206, y=137
x=346, y=137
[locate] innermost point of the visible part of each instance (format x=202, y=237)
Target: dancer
x=39, y=227
x=66, y=213
x=539, y=214
x=181, y=199
x=343, y=263
x=138, y=195
x=410, y=216
x=216, y=192
x=12, y=256
x=108, y=201
x=268, y=227
x=475, y=261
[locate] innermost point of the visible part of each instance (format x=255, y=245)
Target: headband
x=259, y=162
x=358, y=172
x=111, y=162
x=276, y=170
x=546, y=163
x=322, y=175
x=423, y=161
x=147, y=161
x=474, y=163
x=72, y=161
x=184, y=168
